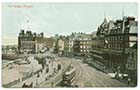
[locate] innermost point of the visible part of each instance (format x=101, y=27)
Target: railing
x=11, y=83
x=26, y=77
x=18, y=80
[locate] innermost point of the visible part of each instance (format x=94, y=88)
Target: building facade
x=132, y=63
x=61, y=45
x=113, y=38
x=121, y=36
x=98, y=44
x=28, y=42
x=67, y=51
x=49, y=42
x=82, y=44
x=39, y=43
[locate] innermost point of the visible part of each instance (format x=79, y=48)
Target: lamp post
x=104, y=54
x=52, y=70
x=32, y=68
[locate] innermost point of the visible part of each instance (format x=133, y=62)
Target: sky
x=59, y=18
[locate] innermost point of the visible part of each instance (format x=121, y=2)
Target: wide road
x=86, y=76
x=90, y=77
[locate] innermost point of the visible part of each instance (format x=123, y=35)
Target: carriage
x=68, y=77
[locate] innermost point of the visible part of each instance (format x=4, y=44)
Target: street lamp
x=118, y=71
x=52, y=70
x=32, y=68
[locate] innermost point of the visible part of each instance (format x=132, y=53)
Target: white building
x=60, y=45
x=39, y=45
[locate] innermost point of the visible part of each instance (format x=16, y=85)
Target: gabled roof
x=104, y=23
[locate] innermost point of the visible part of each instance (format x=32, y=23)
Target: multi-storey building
x=76, y=48
x=28, y=42
x=82, y=44
x=113, y=40
x=71, y=44
x=61, y=45
x=94, y=40
x=97, y=48
x=67, y=51
x=48, y=42
x=85, y=44
x=132, y=64
x=121, y=36
x=39, y=43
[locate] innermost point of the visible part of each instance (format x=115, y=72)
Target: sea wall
x=10, y=56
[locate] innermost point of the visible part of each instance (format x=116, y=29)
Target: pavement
x=18, y=71
x=57, y=78
x=38, y=80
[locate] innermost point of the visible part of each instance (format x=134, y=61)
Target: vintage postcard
x=50, y=45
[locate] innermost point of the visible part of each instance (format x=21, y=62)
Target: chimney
x=42, y=35
x=130, y=19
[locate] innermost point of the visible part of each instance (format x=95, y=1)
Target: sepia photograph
x=69, y=45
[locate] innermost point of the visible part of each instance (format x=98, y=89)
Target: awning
x=97, y=56
x=114, y=52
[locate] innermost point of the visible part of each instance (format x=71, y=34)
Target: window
x=132, y=55
x=84, y=46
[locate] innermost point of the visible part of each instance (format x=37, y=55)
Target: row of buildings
x=29, y=42
x=113, y=46
x=76, y=44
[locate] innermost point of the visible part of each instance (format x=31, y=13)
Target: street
x=88, y=76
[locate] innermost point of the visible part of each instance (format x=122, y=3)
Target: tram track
x=78, y=73
x=90, y=77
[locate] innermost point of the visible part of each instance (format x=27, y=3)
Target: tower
x=28, y=25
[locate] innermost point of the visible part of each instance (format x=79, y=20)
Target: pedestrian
x=41, y=71
x=24, y=85
x=38, y=75
x=46, y=78
x=104, y=68
x=36, y=82
x=47, y=70
x=129, y=80
x=31, y=85
x=52, y=84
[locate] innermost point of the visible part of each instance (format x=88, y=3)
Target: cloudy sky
x=59, y=18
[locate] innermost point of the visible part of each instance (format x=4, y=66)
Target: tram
x=68, y=77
